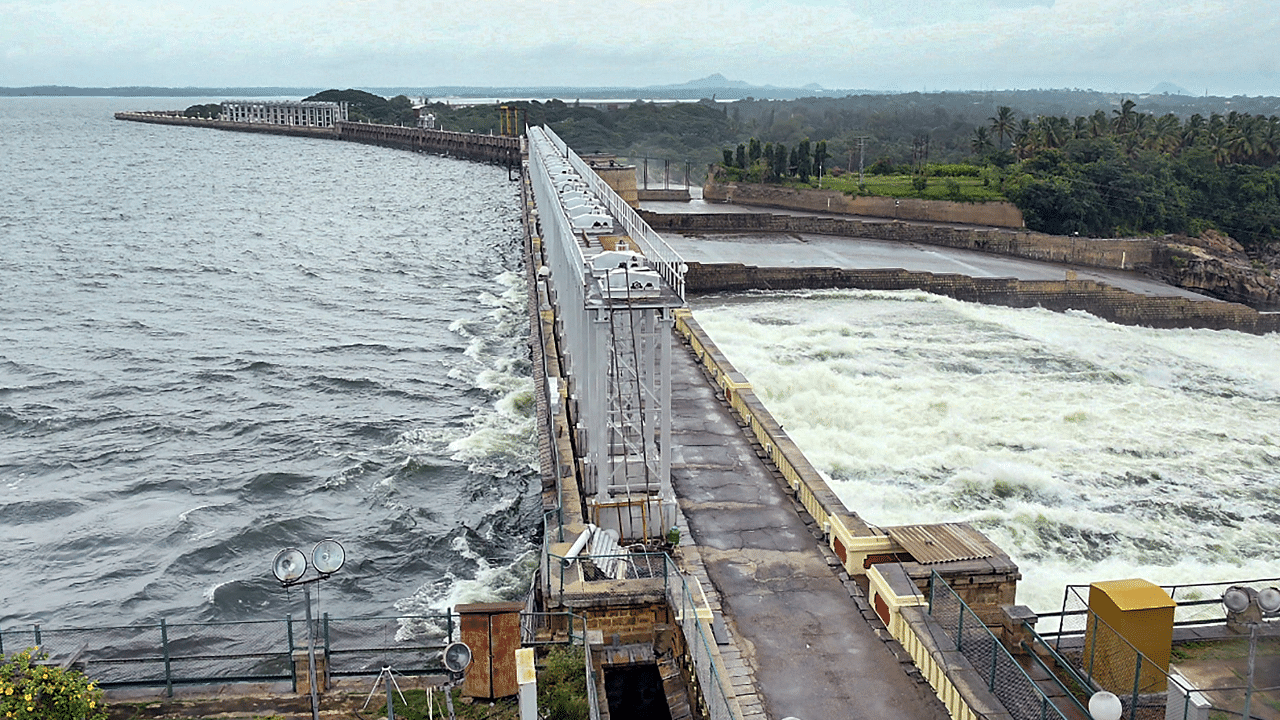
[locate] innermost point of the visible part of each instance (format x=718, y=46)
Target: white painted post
x=527, y=679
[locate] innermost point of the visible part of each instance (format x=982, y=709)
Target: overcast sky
x=1222, y=48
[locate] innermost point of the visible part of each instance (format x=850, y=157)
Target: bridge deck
x=800, y=636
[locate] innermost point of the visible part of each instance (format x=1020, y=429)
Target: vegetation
x=367, y=107
x=415, y=706
x=32, y=691
x=211, y=111
x=562, y=684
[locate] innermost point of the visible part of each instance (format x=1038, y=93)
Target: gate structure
x=615, y=284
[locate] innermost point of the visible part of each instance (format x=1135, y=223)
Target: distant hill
x=1168, y=88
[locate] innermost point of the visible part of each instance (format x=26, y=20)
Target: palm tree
x=1024, y=138
x=1165, y=134
x=1193, y=130
x=981, y=140
x=1080, y=128
x=1098, y=125
x=1002, y=123
x=1123, y=121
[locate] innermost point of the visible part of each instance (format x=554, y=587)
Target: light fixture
x=1269, y=599
x=1105, y=706
x=289, y=565
x=457, y=656
x=1236, y=599
x=328, y=556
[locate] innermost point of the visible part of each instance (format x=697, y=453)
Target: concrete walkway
x=804, y=639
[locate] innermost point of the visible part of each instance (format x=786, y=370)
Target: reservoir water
x=217, y=345
x=1088, y=451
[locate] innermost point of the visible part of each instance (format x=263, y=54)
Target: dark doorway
x=635, y=693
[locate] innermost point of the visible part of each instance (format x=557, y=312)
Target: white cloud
x=936, y=44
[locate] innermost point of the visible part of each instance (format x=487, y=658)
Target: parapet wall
x=997, y=214
x=470, y=146
x=1115, y=254
x=1104, y=301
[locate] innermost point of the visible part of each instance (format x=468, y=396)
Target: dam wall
x=167, y=117
x=1105, y=301
x=997, y=214
x=497, y=149
x=1118, y=254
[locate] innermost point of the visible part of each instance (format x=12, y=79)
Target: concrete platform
x=800, y=634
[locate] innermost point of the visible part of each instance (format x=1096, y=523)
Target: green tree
x=1003, y=123
x=981, y=140
x=804, y=161
x=820, y=156
x=754, y=151
x=740, y=157
x=780, y=161
x=32, y=691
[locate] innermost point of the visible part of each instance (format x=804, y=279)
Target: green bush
x=562, y=685
x=30, y=691
x=953, y=170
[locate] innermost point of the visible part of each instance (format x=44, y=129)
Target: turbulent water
x=1088, y=451
x=216, y=345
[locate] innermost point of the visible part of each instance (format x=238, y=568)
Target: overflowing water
x=217, y=345
x=1088, y=451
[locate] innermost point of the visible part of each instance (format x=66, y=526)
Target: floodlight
x=457, y=657
x=1105, y=706
x=328, y=556
x=1236, y=599
x=1269, y=599
x=289, y=565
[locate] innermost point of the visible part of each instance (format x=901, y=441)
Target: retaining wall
x=1107, y=302
x=1113, y=253
x=998, y=214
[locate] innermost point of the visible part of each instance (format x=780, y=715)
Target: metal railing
x=684, y=598
x=1004, y=676
x=661, y=256
x=1102, y=658
x=168, y=654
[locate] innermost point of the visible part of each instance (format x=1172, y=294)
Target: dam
x=771, y=599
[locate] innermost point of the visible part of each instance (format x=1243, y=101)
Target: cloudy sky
x=1220, y=47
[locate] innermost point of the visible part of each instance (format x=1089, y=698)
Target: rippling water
x=1088, y=451
x=216, y=345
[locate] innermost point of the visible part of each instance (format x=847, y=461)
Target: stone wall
x=997, y=214
x=177, y=118
x=1107, y=302
x=1115, y=254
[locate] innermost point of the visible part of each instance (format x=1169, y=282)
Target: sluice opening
x=635, y=693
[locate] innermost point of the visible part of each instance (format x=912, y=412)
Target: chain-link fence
x=1005, y=678
x=1209, y=676
x=250, y=651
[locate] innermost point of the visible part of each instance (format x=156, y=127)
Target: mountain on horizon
x=1168, y=88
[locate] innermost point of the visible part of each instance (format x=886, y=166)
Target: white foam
x=1081, y=447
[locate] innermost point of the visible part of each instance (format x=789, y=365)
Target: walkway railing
x=661, y=256
x=1004, y=676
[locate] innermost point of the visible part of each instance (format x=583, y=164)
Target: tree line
x=1128, y=172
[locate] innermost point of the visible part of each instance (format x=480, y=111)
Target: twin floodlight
x=1238, y=599
x=290, y=564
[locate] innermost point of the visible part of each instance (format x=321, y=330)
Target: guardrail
x=661, y=256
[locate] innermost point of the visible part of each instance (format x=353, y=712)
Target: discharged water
x=1089, y=451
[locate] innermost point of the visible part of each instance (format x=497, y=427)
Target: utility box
x=492, y=631
x=1128, y=617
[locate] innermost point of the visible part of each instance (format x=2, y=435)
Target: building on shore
x=307, y=113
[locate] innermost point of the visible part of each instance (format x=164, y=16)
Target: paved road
x=814, y=657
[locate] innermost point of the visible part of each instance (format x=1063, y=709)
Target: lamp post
x=289, y=567
x=1248, y=606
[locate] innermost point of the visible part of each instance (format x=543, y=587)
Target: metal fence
x=171, y=654
x=1004, y=676
x=1105, y=659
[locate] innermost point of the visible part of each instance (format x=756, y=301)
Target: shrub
x=953, y=170
x=562, y=684
x=30, y=691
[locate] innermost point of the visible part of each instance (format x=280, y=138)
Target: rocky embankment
x=1217, y=266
